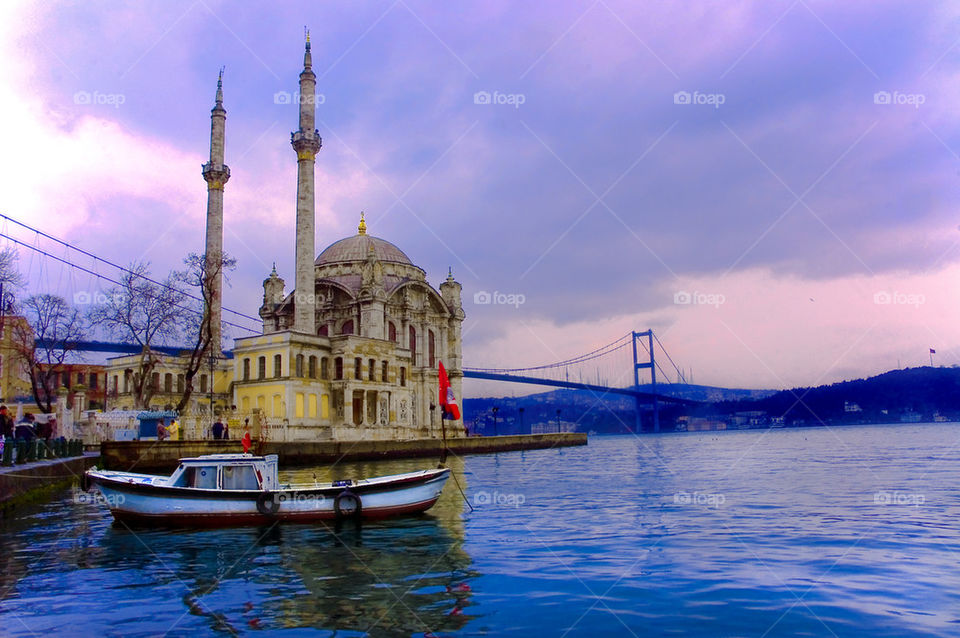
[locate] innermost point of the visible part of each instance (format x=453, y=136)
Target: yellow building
x=167, y=382
x=14, y=375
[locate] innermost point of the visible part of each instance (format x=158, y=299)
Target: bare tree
x=200, y=327
x=11, y=279
x=147, y=314
x=44, y=341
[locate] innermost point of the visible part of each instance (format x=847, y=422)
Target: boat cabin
x=227, y=472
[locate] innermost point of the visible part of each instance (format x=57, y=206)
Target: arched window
x=246, y=368
x=432, y=348
x=372, y=370
x=358, y=368
x=403, y=376
x=312, y=367
x=180, y=382
x=168, y=382
x=203, y=383
x=384, y=372
x=324, y=330
x=392, y=331
x=347, y=328
x=338, y=368
x=413, y=345
x=262, y=368
x=277, y=365
x=324, y=368
x=299, y=366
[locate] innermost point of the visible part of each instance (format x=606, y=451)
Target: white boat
x=243, y=489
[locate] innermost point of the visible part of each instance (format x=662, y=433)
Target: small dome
x=357, y=248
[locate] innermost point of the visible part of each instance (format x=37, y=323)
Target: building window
x=246, y=368
x=392, y=332
x=338, y=368
x=431, y=348
x=299, y=366
x=93, y=380
x=277, y=365
x=403, y=376
x=312, y=367
x=347, y=328
x=203, y=383
x=358, y=368
x=168, y=382
x=383, y=376
x=372, y=370
x=155, y=381
x=116, y=384
x=324, y=368
x=181, y=380
x=324, y=330
x=126, y=380
x=262, y=368
x=413, y=345
x=80, y=378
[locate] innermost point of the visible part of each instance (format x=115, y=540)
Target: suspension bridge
x=615, y=368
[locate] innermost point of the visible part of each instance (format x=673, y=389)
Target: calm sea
x=814, y=532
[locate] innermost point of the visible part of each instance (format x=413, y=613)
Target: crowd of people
x=28, y=428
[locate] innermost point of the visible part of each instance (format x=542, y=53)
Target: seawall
x=145, y=456
x=30, y=482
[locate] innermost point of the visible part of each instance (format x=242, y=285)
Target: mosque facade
x=352, y=351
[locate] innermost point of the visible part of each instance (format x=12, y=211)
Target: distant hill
x=923, y=392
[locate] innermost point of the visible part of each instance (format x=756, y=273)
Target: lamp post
x=522, y=431
x=495, y=410
x=558, y=421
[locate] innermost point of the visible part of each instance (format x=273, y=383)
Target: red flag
x=448, y=402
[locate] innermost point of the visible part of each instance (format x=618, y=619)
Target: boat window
x=203, y=477
x=239, y=477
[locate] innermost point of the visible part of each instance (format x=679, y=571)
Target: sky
x=770, y=186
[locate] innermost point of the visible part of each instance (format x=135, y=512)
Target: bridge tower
x=637, y=366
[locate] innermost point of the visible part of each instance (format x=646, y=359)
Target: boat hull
x=134, y=502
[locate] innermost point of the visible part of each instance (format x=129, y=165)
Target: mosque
x=352, y=351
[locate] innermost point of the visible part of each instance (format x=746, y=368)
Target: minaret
x=306, y=142
x=216, y=174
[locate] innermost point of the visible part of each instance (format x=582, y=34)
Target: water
x=813, y=532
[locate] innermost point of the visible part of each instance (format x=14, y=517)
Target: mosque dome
x=358, y=247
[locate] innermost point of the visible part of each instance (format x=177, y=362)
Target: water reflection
x=401, y=577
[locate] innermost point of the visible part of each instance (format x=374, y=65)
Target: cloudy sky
x=771, y=186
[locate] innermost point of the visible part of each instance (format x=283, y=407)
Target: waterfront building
x=352, y=351
x=14, y=376
x=166, y=385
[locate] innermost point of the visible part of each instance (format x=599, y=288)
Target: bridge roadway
x=599, y=389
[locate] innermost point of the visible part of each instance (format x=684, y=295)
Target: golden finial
x=306, y=33
x=362, y=228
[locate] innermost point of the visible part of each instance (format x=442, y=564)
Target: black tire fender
x=268, y=503
x=348, y=512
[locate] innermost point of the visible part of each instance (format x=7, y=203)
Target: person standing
x=6, y=422
x=217, y=430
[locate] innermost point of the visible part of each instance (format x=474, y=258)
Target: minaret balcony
x=216, y=173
